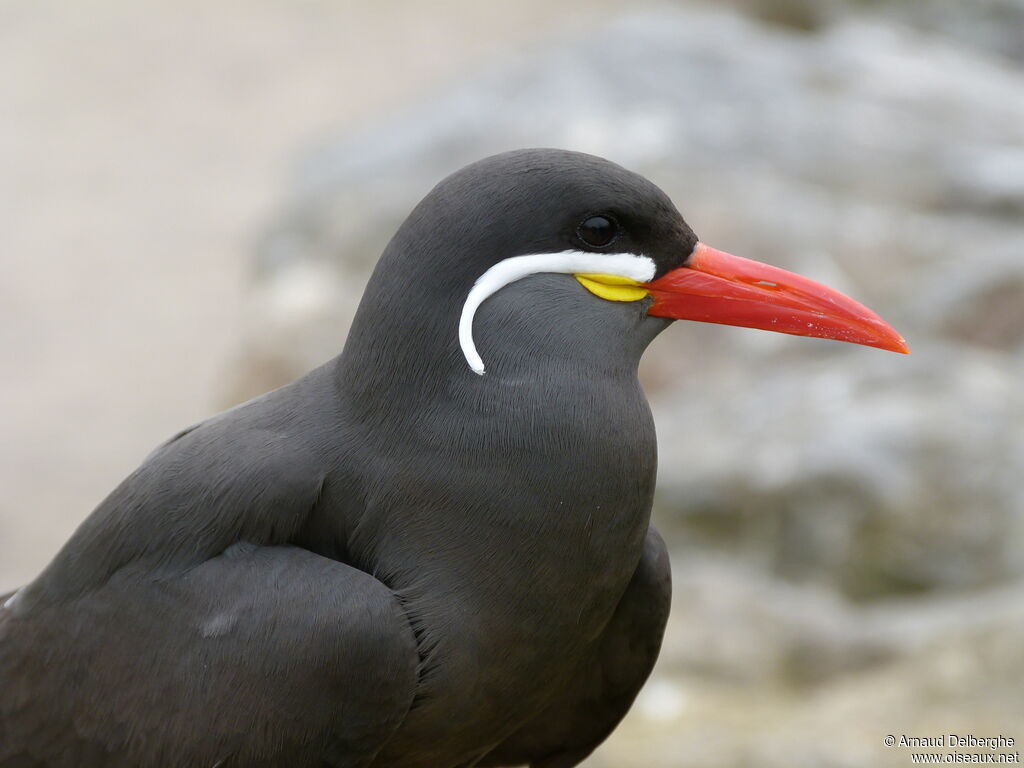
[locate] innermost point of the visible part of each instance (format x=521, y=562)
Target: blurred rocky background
x=847, y=525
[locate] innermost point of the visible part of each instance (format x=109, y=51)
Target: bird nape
x=435, y=550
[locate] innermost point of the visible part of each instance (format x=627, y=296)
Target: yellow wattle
x=613, y=287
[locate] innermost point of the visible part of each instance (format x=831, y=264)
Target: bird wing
x=179, y=626
x=592, y=705
x=261, y=656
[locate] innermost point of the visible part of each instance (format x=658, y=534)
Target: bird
x=433, y=551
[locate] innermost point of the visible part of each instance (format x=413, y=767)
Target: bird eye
x=597, y=231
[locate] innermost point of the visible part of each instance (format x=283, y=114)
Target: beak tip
x=898, y=345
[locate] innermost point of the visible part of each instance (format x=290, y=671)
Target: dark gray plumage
x=393, y=561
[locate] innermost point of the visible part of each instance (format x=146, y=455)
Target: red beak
x=717, y=287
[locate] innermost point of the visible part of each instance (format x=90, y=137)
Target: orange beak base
x=717, y=287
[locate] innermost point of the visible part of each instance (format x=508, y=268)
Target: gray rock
x=989, y=25
x=878, y=477
x=757, y=672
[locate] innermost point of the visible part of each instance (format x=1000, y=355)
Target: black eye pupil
x=597, y=231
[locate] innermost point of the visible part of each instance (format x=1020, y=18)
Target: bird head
x=614, y=240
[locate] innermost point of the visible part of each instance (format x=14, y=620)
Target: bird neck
x=552, y=447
